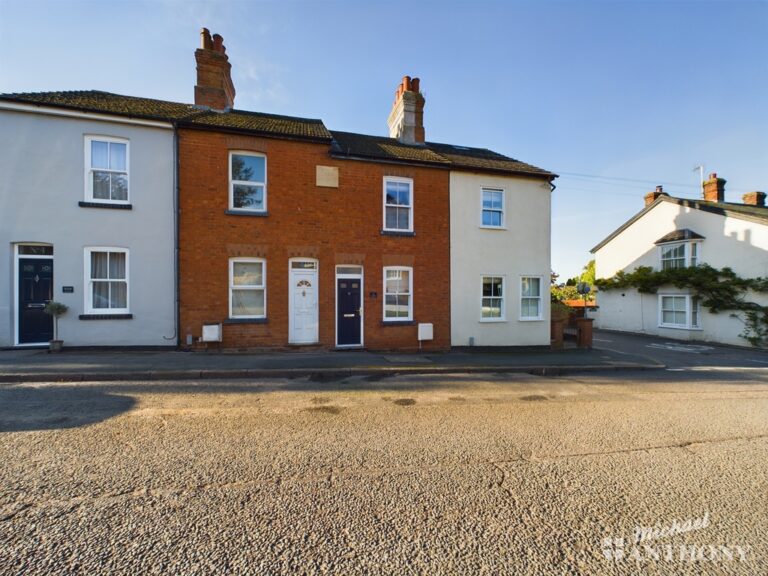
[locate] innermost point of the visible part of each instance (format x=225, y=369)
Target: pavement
x=411, y=474
x=95, y=365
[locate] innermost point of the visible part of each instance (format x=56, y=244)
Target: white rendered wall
x=521, y=249
x=42, y=179
x=739, y=244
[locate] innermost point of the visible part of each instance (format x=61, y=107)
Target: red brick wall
x=334, y=225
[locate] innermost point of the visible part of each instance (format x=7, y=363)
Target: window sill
x=492, y=227
x=262, y=214
x=398, y=323
x=531, y=319
x=397, y=233
x=107, y=205
x=246, y=321
x=492, y=320
x=105, y=316
x=677, y=327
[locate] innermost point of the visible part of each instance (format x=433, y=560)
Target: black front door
x=348, y=310
x=35, y=291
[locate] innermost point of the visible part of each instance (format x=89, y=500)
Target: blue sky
x=615, y=96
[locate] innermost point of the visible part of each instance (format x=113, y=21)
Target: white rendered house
x=675, y=232
x=500, y=258
x=87, y=219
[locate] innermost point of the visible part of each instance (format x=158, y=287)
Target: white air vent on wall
x=211, y=333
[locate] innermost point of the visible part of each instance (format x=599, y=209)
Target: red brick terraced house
x=293, y=235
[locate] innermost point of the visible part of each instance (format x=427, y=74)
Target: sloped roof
x=482, y=159
x=106, y=103
x=757, y=214
x=380, y=148
x=363, y=146
x=677, y=235
x=261, y=123
x=343, y=144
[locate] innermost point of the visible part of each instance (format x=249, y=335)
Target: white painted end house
x=500, y=258
x=87, y=219
x=677, y=232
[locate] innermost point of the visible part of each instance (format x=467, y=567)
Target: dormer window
x=679, y=249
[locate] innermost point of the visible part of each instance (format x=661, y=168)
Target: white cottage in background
x=87, y=219
x=676, y=232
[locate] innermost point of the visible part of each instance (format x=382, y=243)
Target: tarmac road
x=474, y=474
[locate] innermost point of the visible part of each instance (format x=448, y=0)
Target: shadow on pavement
x=25, y=409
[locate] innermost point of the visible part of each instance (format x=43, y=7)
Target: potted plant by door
x=55, y=309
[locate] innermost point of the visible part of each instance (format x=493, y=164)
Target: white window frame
x=503, y=210
x=89, y=309
x=691, y=300
x=540, y=298
x=253, y=288
x=503, y=298
x=408, y=181
x=89, y=139
x=409, y=318
x=689, y=259
x=246, y=182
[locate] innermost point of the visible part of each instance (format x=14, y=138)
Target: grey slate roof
x=343, y=144
x=748, y=212
x=363, y=146
x=678, y=235
x=482, y=159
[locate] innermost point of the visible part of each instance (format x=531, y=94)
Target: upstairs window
x=679, y=255
x=248, y=182
x=398, y=204
x=493, y=208
x=106, y=165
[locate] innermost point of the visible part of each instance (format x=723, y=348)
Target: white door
x=302, y=313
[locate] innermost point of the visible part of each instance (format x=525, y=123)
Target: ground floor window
x=398, y=286
x=679, y=311
x=106, y=276
x=247, y=288
x=530, y=298
x=492, y=305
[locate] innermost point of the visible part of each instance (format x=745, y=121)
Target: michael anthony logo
x=645, y=546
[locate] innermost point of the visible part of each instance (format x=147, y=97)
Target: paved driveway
x=421, y=475
x=681, y=354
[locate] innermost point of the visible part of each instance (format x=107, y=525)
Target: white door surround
x=303, y=324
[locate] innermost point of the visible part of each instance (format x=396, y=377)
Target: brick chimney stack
x=651, y=197
x=214, y=81
x=754, y=199
x=714, y=188
x=406, y=121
